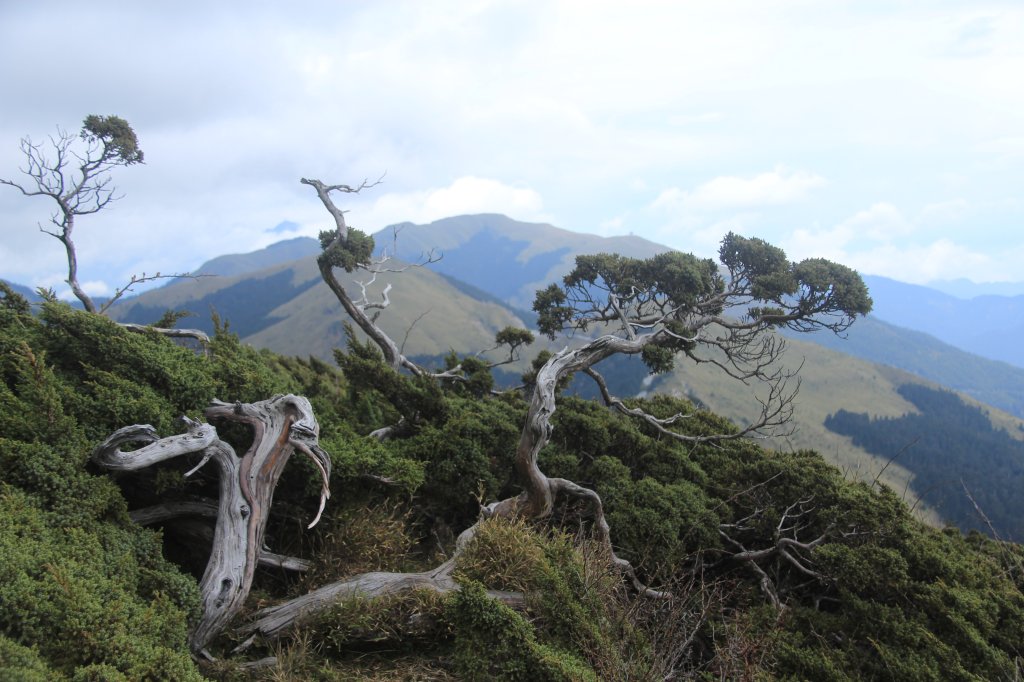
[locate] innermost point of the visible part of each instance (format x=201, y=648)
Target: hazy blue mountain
x=505, y=257
x=966, y=289
x=23, y=290
x=989, y=326
x=275, y=254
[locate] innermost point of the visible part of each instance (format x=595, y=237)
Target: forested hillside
x=972, y=472
x=778, y=566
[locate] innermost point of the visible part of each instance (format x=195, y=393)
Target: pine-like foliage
x=87, y=594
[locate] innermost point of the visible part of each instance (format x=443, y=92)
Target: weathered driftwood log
x=246, y=490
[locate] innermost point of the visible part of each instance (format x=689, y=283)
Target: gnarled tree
x=658, y=308
x=280, y=426
x=77, y=178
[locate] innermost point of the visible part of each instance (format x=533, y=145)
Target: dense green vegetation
x=955, y=453
x=86, y=594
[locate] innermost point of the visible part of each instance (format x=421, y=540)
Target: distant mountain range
x=989, y=326
x=965, y=288
x=504, y=257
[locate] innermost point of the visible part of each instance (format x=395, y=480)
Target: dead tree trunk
x=280, y=426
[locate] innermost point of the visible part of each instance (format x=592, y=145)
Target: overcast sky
x=885, y=135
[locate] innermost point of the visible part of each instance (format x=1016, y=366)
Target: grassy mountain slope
x=996, y=383
x=287, y=308
x=428, y=314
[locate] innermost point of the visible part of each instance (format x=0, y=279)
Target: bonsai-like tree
x=74, y=171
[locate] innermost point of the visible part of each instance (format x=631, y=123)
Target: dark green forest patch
x=955, y=454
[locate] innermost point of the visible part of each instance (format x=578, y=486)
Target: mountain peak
x=275, y=254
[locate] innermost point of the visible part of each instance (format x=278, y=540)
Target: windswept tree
x=74, y=170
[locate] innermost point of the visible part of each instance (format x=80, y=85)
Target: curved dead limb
x=273, y=621
x=196, y=334
x=280, y=426
x=357, y=309
x=538, y=497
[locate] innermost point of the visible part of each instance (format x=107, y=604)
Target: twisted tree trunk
x=280, y=426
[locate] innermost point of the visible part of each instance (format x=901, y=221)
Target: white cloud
x=465, y=195
x=96, y=288
x=923, y=263
x=695, y=119
x=943, y=212
x=880, y=222
x=776, y=187
x=593, y=107
x=881, y=240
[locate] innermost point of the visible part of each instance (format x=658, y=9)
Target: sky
x=887, y=136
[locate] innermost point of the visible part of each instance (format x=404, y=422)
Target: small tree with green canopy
x=74, y=171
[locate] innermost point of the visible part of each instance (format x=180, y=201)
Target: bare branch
x=109, y=142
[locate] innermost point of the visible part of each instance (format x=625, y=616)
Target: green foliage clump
x=572, y=594
x=18, y=662
x=349, y=253
x=120, y=144
x=104, y=588
x=493, y=642
x=475, y=378
x=468, y=454
x=388, y=394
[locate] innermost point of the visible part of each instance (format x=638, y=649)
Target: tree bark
x=246, y=490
